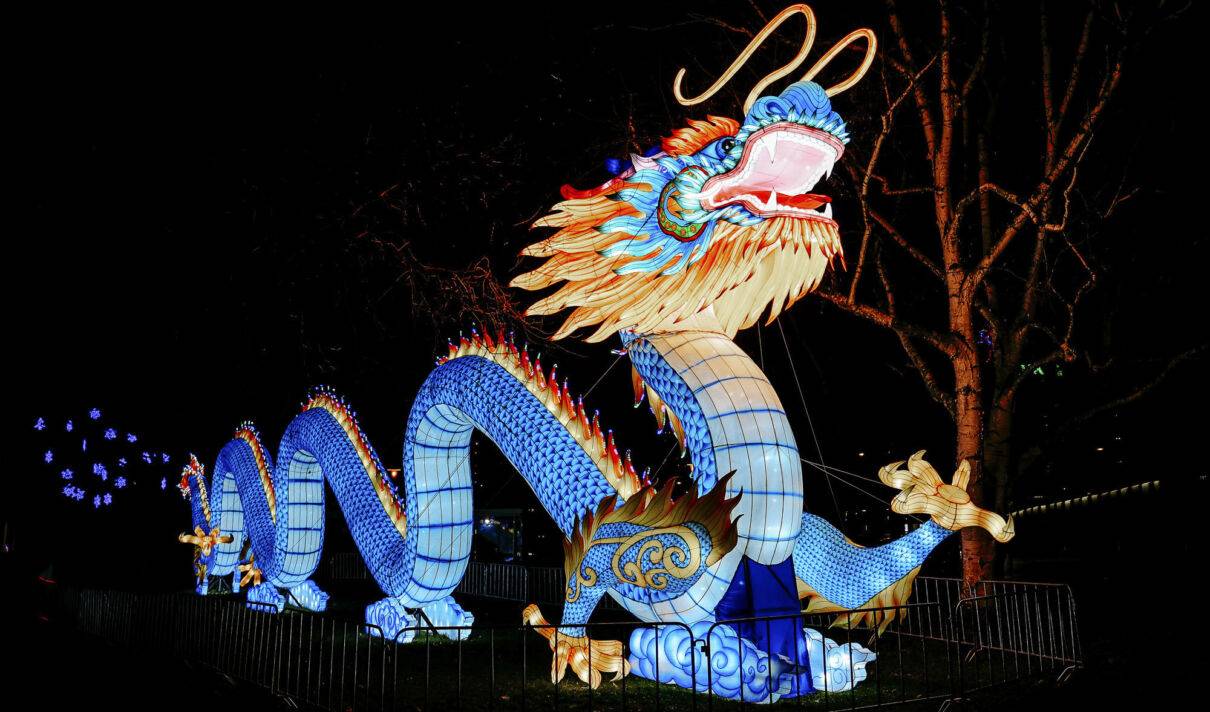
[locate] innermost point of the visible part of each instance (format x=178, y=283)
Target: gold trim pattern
x=659, y=515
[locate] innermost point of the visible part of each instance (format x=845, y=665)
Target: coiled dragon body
x=681, y=249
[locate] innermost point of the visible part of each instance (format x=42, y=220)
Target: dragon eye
x=726, y=145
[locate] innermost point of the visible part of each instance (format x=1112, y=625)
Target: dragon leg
x=649, y=549
x=265, y=596
x=835, y=575
x=309, y=596
x=586, y=657
x=399, y=620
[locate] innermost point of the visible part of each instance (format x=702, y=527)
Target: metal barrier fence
x=1013, y=635
x=1035, y=622
x=1051, y=603
x=509, y=582
x=934, y=652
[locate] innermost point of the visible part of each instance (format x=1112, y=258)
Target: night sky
x=202, y=220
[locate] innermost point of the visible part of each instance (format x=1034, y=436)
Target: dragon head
x=724, y=221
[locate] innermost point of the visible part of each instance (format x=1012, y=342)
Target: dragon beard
x=744, y=271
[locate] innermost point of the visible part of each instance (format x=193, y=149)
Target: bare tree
x=987, y=231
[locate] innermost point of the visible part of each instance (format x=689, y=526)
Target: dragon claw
x=586, y=657
x=949, y=505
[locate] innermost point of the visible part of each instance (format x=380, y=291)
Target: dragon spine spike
x=343, y=415
x=595, y=435
x=196, y=470
x=569, y=411
x=249, y=435
x=656, y=403
x=678, y=429
x=585, y=429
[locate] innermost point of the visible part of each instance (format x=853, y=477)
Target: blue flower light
x=96, y=501
x=147, y=457
x=121, y=462
x=40, y=424
x=108, y=498
x=99, y=470
x=120, y=482
x=67, y=474
x=165, y=458
x=49, y=456
x=111, y=434
x=163, y=483
x=130, y=438
x=95, y=414
x=69, y=426
x=84, y=445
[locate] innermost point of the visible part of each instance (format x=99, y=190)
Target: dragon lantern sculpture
x=684, y=247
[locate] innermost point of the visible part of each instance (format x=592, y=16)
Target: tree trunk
x=978, y=548
x=997, y=464
x=997, y=452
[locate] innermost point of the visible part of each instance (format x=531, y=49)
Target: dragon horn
x=870, y=51
x=757, y=41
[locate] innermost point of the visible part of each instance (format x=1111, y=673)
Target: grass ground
x=279, y=661
x=506, y=668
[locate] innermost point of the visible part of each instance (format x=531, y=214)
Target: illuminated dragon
x=685, y=246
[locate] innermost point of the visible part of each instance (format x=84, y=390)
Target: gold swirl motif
x=663, y=557
x=654, y=514
x=586, y=578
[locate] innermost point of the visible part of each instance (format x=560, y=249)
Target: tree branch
x=981, y=59
x=1142, y=390
x=887, y=120
x=945, y=343
x=906, y=246
x=1073, y=153
x=927, y=121
x=926, y=374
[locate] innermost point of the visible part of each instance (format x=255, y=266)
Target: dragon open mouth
x=781, y=163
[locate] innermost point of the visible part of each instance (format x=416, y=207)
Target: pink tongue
x=772, y=163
